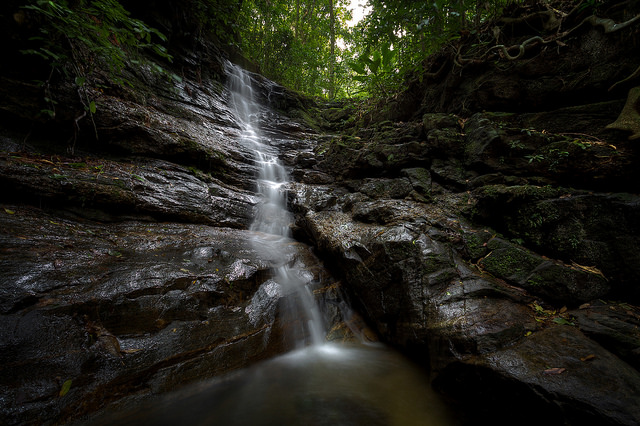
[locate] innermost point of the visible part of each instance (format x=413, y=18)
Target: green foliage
x=78, y=38
x=219, y=18
x=414, y=29
x=374, y=67
x=66, y=386
x=291, y=43
x=534, y=157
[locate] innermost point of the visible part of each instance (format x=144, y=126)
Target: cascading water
x=272, y=217
x=319, y=383
x=322, y=383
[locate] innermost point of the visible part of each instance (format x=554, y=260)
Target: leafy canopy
x=291, y=41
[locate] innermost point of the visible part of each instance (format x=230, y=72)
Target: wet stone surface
x=498, y=249
x=92, y=313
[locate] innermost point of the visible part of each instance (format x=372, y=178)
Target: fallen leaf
x=65, y=388
x=562, y=321
x=588, y=358
x=9, y=211
x=553, y=371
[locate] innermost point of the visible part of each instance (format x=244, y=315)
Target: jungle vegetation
x=307, y=45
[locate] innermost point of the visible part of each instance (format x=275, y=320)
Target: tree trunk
x=332, y=61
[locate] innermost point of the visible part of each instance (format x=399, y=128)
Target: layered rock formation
x=494, y=241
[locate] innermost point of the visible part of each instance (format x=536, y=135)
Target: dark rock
x=311, y=177
x=548, y=377
x=595, y=230
x=556, y=282
x=450, y=173
x=445, y=142
x=131, y=308
x=511, y=146
x=439, y=121
x=616, y=326
x=303, y=197
x=386, y=188
x=420, y=180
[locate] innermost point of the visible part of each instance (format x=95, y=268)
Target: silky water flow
x=272, y=221
x=317, y=383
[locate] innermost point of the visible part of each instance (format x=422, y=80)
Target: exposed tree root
x=633, y=75
x=607, y=24
x=629, y=118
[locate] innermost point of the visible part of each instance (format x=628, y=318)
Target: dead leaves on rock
x=551, y=316
x=590, y=269
x=554, y=371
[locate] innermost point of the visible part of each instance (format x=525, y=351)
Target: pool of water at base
x=328, y=384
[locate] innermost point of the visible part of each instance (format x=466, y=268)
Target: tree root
x=607, y=24
x=629, y=118
x=633, y=75
x=436, y=75
x=521, y=48
x=551, y=24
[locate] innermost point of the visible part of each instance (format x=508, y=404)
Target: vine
x=607, y=24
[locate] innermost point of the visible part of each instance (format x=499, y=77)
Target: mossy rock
x=420, y=180
x=439, y=121
x=337, y=115
x=566, y=284
x=553, y=280
x=475, y=242
x=509, y=261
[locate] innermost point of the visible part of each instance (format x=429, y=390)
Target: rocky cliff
x=485, y=222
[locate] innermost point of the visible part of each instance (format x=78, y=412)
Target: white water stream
x=320, y=384
x=272, y=217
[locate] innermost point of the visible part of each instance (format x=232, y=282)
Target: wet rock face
x=482, y=310
x=126, y=267
x=499, y=249
x=130, y=309
x=111, y=190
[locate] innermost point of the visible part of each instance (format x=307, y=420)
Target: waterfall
x=319, y=383
x=273, y=221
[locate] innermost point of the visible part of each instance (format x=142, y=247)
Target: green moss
x=509, y=261
x=528, y=192
x=535, y=281
x=475, y=243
